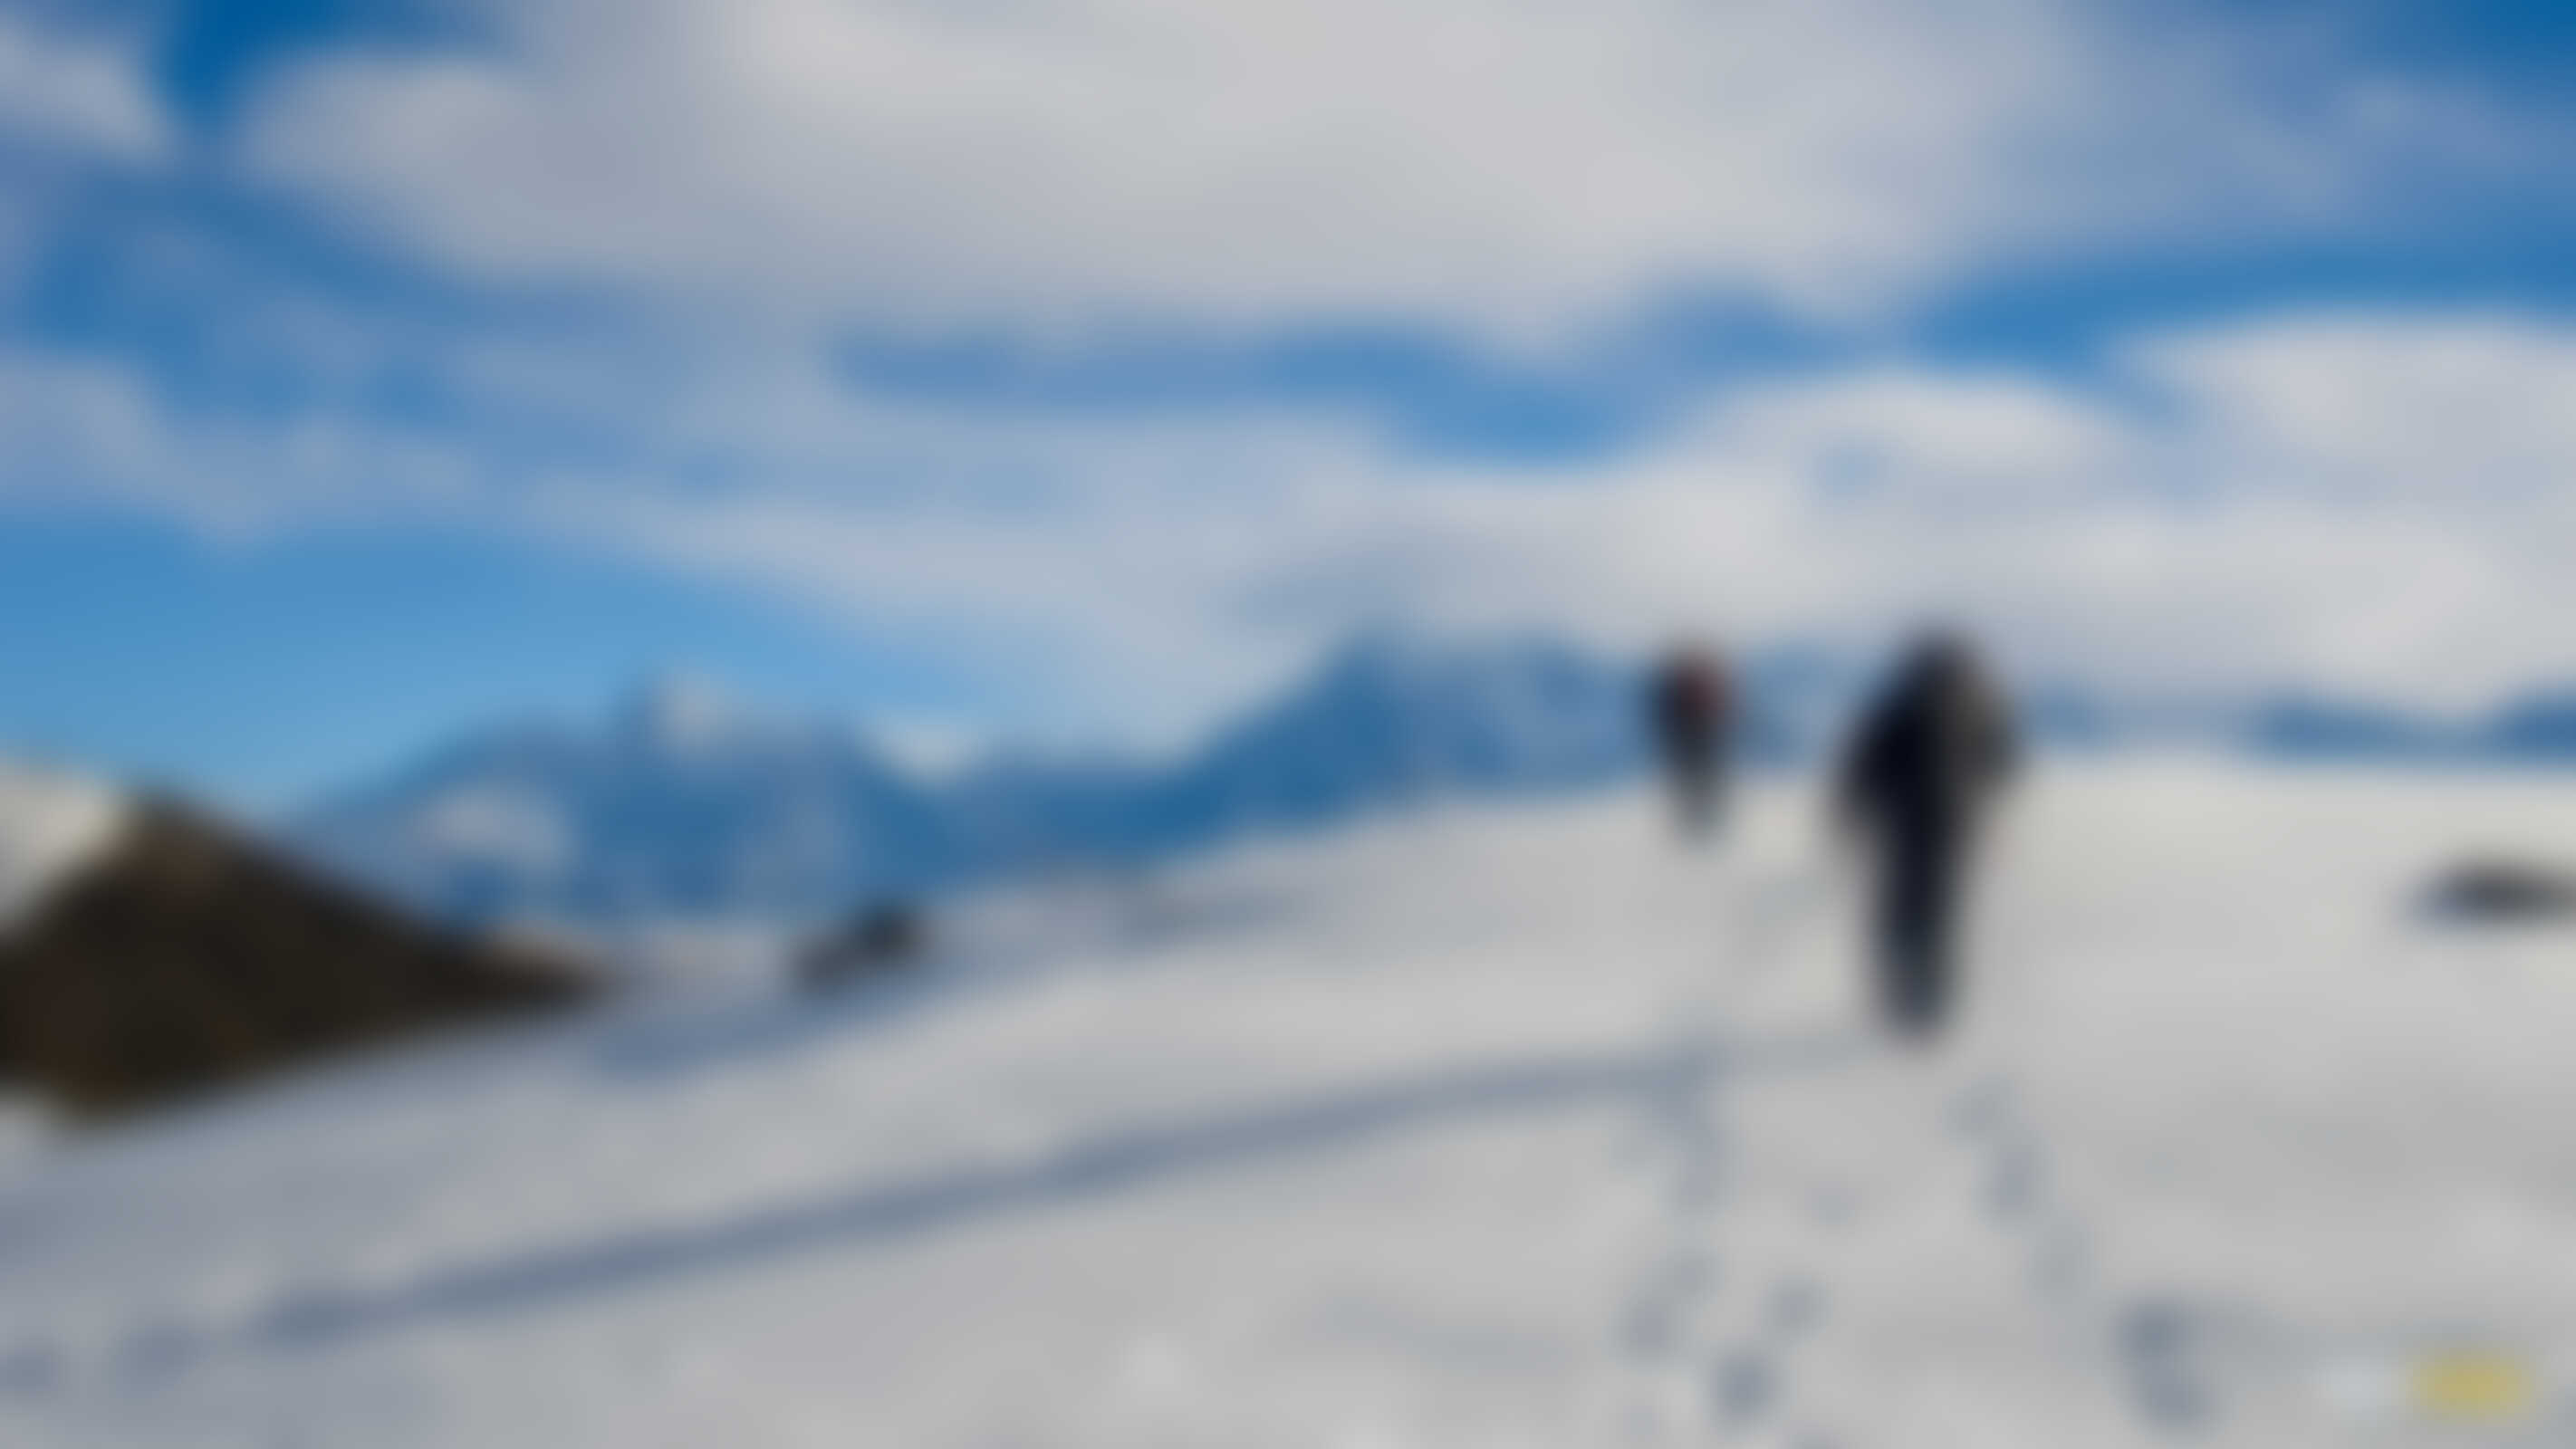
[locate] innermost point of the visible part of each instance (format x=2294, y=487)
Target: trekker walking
x=1916, y=783
x=1691, y=708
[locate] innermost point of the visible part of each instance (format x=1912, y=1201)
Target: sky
x=1073, y=370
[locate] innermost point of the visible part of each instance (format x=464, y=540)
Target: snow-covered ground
x=1493, y=1127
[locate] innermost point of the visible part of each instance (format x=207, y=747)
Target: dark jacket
x=1931, y=751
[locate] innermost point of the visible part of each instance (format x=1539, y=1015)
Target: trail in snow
x=1495, y=1127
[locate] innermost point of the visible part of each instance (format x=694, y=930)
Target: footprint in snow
x=1983, y=1107
x=2016, y=1178
x=1742, y=1388
x=30, y=1370
x=157, y=1351
x=1796, y=1307
x=2157, y=1341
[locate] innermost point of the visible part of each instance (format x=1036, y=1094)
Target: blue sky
x=387, y=641
x=1074, y=369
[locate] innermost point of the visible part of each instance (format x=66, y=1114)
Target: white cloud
x=2376, y=503
x=72, y=105
x=2366, y=503
x=93, y=431
x=1485, y=160
x=82, y=94
x=2259, y=521
x=2349, y=500
x=2369, y=503
x=2475, y=407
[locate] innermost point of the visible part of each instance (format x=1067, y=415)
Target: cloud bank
x=584, y=281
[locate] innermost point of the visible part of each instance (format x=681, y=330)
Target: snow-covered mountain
x=678, y=805
x=2538, y=728
x=683, y=807
x=1391, y=720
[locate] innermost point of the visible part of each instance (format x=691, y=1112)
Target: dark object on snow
x=885, y=937
x=1691, y=707
x=2494, y=890
x=185, y=958
x=1916, y=783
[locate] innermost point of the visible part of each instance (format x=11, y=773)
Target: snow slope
x=1483, y=1127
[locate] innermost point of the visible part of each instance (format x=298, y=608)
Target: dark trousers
x=1699, y=794
x=1920, y=865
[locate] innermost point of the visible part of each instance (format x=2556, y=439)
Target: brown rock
x=184, y=958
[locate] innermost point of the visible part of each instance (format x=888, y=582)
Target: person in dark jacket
x=1915, y=783
x=1691, y=707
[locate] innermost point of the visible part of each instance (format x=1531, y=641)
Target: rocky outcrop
x=181, y=957
x=2496, y=889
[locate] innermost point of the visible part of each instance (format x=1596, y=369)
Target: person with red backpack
x=1691, y=708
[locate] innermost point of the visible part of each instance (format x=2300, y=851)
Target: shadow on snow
x=877, y=1213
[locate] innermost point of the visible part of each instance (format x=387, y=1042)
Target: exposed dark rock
x=2503, y=890
x=888, y=936
x=184, y=958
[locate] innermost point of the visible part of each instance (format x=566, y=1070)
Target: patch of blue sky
x=268, y=670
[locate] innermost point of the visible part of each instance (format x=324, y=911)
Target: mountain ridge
x=679, y=805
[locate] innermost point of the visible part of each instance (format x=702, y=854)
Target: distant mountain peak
x=688, y=805
x=679, y=711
